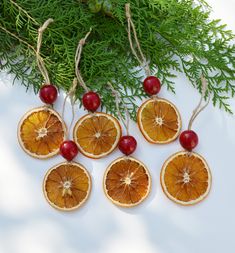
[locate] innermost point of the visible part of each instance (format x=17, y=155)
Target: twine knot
x=82, y=42
x=45, y=25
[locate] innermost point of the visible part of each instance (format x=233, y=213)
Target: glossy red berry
x=69, y=150
x=48, y=93
x=152, y=85
x=188, y=140
x=91, y=101
x=127, y=144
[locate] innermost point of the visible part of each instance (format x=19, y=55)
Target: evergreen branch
x=198, y=46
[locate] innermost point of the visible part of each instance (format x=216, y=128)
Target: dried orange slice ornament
x=67, y=186
x=97, y=134
x=40, y=132
x=127, y=182
x=159, y=121
x=186, y=178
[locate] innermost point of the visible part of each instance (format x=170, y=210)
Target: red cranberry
x=127, y=144
x=152, y=85
x=188, y=140
x=48, y=93
x=68, y=149
x=91, y=101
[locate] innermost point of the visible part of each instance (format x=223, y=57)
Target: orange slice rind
x=127, y=182
x=186, y=178
x=97, y=134
x=159, y=121
x=67, y=186
x=40, y=132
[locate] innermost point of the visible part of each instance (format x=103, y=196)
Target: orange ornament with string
x=67, y=186
x=127, y=181
x=158, y=119
x=186, y=176
x=41, y=130
x=96, y=134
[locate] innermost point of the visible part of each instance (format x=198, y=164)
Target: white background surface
x=29, y=225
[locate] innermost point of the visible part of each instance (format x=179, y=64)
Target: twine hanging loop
x=199, y=108
x=144, y=63
x=40, y=61
x=126, y=120
x=71, y=95
x=78, y=58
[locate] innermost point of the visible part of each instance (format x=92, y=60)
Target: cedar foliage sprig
x=176, y=35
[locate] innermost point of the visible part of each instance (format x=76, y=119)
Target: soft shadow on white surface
x=28, y=224
x=158, y=225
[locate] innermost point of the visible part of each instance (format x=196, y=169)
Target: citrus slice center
x=159, y=121
x=127, y=180
x=67, y=184
x=97, y=135
x=186, y=177
x=42, y=132
x=66, y=188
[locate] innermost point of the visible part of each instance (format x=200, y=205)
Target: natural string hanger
x=117, y=102
x=200, y=107
x=131, y=28
x=71, y=95
x=18, y=38
x=40, y=61
x=77, y=60
x=78, y=78
x=15, y=36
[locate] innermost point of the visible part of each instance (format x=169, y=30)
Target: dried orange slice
x=159, y=121
x=186, y=178
x=97, y=134
x=40, y=132
x=67, y=186
x=127, y=182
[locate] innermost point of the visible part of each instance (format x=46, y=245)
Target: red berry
x=48, y=93
x=152, y=85
x=91, y=101
x=188, y=140
x=127, y=144
x=68, y=149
